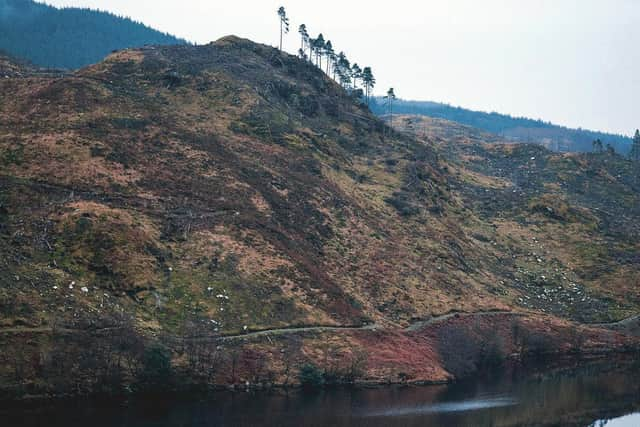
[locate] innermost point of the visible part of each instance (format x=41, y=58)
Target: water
x=592, y=396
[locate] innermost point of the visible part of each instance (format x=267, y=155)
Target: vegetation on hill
x=515, y=129
x=568, y=220
x=223, y=214
x=337, y=65
x=69, y=37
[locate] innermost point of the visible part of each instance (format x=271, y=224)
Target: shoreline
x=530, y=367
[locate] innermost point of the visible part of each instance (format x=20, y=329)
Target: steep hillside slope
x=169, y=195
x=570, y=220
x=70, y=37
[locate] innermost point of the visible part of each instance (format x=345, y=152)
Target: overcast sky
x=573, y=62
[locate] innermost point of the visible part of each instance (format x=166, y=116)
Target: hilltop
x=228, y=213
x=511, y=129
x=69, y=38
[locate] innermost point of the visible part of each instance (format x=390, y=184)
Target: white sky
x=573, y=62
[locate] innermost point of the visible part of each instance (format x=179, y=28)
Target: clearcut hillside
x=172, y=198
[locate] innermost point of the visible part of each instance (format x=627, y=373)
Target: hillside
x=227, y=213
x=514, y=129
x=69, y=37
x=570, y=219
x=10, y=67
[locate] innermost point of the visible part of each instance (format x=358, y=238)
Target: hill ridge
x=514, y=129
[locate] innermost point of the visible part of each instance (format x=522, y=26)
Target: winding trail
x=413, y=327
x=286, y=331
x=621, y=323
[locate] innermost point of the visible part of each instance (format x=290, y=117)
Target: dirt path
x=628, y=326
x=285, y=331
x=415, y=326
x=620, y=323
x=290, y=330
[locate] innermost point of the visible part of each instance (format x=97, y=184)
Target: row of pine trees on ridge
x=336, y=65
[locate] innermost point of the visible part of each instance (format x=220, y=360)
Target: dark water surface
x=594, y=395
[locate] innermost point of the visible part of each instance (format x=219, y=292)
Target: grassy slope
x=234, y=184
x=566, y=222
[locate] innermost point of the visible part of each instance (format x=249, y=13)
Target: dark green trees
x=356, y=72
x=69, y=37
x=330, y=53
x=635, y=147
x=344, y=70
x=319, y=47
x=597, y=146
x=336, y=65
x=304, y=40
x=369, y=82
x=311, y=376
x=284, y=23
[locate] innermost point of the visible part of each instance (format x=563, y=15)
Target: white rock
x=84, y=289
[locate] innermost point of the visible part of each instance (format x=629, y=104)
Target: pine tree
x=329, y=52
x=635, y=147
x=304, y=39
x=357, y=74
x=284, y=24
x=389, y=98
x=320, y=49
x=369, y=82
x=312, y=48
x=597, y=146
x=344, y=67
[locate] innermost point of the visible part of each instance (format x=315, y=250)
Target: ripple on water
x=448, y=407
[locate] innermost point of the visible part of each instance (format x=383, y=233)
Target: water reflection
x=513, y=398
x=462, y=406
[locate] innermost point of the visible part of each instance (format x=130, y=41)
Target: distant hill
x=69, y=37
x=517, y=129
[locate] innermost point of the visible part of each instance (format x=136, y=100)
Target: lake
x=593, y=395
